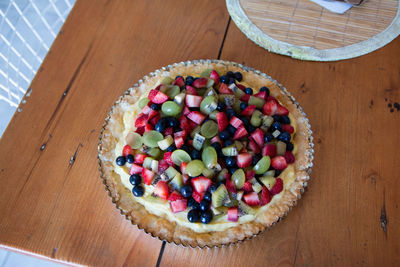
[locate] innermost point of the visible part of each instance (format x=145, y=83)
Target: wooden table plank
x=353, y=187
x=55, y=206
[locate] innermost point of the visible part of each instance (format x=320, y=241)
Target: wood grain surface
x=54, y=204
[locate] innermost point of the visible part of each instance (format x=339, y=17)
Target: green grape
x=172, y=91
x=179, y=156
x=206, y=73
x=208, y=173
x=209, y=157
x=167, y=80
x=256, y=118
x=262, y=165
x=143, y=102
x=209, y=129
x=134, y=140
x=151, y=138
x=170, y=108
x=195, y=131
x=208, y=104
x=238, y=178
x=155, y=152
x=195, y=168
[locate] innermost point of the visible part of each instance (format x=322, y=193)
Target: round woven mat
x=304, y=30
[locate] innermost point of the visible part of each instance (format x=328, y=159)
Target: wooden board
x=53, y=202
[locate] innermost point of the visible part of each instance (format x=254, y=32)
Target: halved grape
x=209, y=129
x=170, y=108
x=155, y=152
x=167, y=80
x=238, y=178
x=208, y=173
x=151, y=138
x=208, y=104
x=195, y=168
x=209, y=157
x=262, y=165
x=179, y=156
x=172, y=91
x=143, y=102
x=256, y=118
x=195, y=131
x=134, y=140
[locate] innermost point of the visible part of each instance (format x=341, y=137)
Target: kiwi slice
x=245, y=209
x=177, y=182
x=258, y=102
x=280, y=148
x=167, y=80
x=154, y=199
x=171, y=172
x=221, y=175
x=206, y=73
x=155, y=152
x=219, y=212
x=220, y=196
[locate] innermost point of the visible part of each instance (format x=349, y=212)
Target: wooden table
x=53, y=202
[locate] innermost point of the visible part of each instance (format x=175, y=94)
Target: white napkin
x=333, y=6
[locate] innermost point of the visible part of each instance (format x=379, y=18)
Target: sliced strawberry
x=161, y=190
x=193, y=101
x=168, y=131
x=140, y=130
x=236, y=122
x=182, y=134
x=201, y=184
x=261, y=95
x=167, y=158
x=252, y=199
x=192, y=125
x=247, y=187
x=200, y=83
x=198, y=196
x=185, y=110
x=196, y=117
x=222, y=121
x=183, y=167
x=178, y=205
x=241, y=86
x=155, y=119
x=179, y=142
x=245, y=98
x=146, y=110
x=153, y=113
x=162, y=166
x=282, y=111
x=135, y=169
x=185, y=178
x=271, y=98
x=278, y=187
x=253, y=146
x=258, y=137
x=230, y=186
x=265, y=196
x=224, y=89
x=250, y=174
x=147, y=176
x=270, y=107
x=248, y=111
x=139, y=158
x=148, y=127
x=233, y=214
x=214, y=76
x=241, y=132
x=141, y=120
x=175, y=196
x=190, y=90
x=278, y=163
x=153, y=93
x=216, y=139
x=127, y=150
x=179, y=81
x=159, y=98
x=287, y=128
x=244, y=160
x=289, y=157
x=269, y=150
x=184, y=123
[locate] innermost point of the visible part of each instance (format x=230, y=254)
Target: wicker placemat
x=305, y=30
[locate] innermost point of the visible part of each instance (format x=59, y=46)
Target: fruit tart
x=205, y=153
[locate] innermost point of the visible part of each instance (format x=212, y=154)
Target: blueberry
x=216, y=145
x=268, y=137
x=231, y=129
x=171, y=148
x=155, y=106
x=195, y=154
x=264, y=89
x=248, y=91
x=228, y=142
x=138, y=191
x=224, y=135
x=285, y=120
x=230, y=74
x=276, y=118
x=206, y=217
x=120, y=161
x=251, y=128
x=193, y=216
x=161, y=125
x=130, y=158
x=255, y=159
x=277, y=173
x=230, y=161
x=212, y=188
x=276, y=126
x=204, y=205
x=135, y=179
x=186, y=148
x=207, y=195
x=189, y=80
x=221, y=106
x=224, y=79
x=238, y=76
x=243, y=105
x=246, y=121
x=193, y=203
x=231, y=80
x=230, y=112
x=173, y=122
x=289, y=146
x=284, y=137
x=186, y=191
x=232, y=170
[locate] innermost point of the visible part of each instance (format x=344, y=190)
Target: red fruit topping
x=179, y=81
x=185, y=178
x=250, y=174
x=278, y=163
x=248, y=111
x=178, y=205
x=146, y=110
x=179, y=142
x=140, y=130
x=183, y=167
x=270, y=107
x=135, y=169
x=214, y=76
x=233, y=214
x=282, y=111
x=193, y=101
x=153, y=93
x=216, y=138
x=236, y=122
x=253, y=146
x=230, y=186
x=245, y=98
x=224, y=89
x=175, y=196
x=161, y=190
x=159, y=98
x=200, y=83
x=241, y=86
x=261, y=95
x=289, y=157
x=196, y=117
x=152, y=114
x=197, y=196
x=167, y=158
x=148, y=127
x=127, y=150
x=186, y=110
x=184, y=123
x=162, y=166
x=241, y=132
x=222, y=121
x=244, y=160
x=139, y=158
x=251, y=199
x=269, y=150
x=265, y=196
x=287, y=128
x=182, y=134
x=155, y=119
x=141, y=120
x=168, y=131
x=278, y=187
x=201, y=184
x=147, y=176
x=271, y=98
x=247, y=187
x=191, y=90
x=258, y=137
